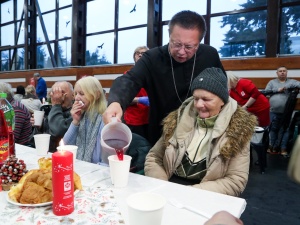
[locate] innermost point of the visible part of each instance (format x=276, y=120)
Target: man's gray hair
x=36, y=75
x=70, y=85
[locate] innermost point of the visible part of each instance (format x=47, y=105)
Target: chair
x=261, y=150
x=138, y=149
x=46, y=109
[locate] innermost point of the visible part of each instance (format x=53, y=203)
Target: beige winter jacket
x=228, y=156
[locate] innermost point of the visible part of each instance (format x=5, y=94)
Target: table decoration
x=11, y=172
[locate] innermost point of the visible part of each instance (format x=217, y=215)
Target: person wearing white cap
x=206, y=142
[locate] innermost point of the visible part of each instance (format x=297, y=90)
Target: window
x=289, y=36
x=100, y=16
x=230, y=5
x=19, y=63
x=5, y=60
x=46, y=5
x=43, y=56
x=132, y=13
x=171, y=7
x=7, y=11
x=137, y=37
x=64, y=3
x=100, y=49
x=20, y=6
x=239, y=35
x=21, y=36
x=64, y=53
x=63, y=35
x=65, y=23
x=5, y=39
x=49, y=25
x=165, y=34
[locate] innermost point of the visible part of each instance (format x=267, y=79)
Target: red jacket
x=246, y=89
x=137, y=114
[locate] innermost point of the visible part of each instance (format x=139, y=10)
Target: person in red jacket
x=249, y=97
x=136, y=115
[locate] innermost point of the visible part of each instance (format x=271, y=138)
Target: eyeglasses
x=139, y=53
x=187, y=48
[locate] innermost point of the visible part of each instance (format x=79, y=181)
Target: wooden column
x=78, y=33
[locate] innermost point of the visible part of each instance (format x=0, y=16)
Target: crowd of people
x=198, y=119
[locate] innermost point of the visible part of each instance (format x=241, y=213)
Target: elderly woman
x=23, y=126
x=30, y=100
x=87, y=123
x=205, y=143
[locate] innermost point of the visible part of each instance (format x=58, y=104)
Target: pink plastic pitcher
x=115, y=136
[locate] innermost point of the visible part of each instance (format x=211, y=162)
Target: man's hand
x=57, y=96
x=113, y=110
x=224, y=218
x=245, y=107
x=32, y=120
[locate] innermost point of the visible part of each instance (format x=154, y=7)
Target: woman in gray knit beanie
x=205, y=143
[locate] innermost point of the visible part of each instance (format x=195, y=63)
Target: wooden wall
x=71, y=74
x=107, y=73
x=261, y=63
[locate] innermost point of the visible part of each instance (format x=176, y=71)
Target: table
x=93, y=175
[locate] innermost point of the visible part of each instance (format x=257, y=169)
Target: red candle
x=62, y=183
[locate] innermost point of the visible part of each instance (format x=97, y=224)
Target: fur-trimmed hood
x=237, y=123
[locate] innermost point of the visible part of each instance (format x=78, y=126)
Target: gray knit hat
x=213, y=80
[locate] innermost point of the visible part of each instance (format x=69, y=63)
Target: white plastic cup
x=38, y=117
x=258, y=135
x=145, y=208
x=115, y=131
x=119, y=170
x=70, y=148
x=42, y=143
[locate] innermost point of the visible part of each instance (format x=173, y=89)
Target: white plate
x=31, y=205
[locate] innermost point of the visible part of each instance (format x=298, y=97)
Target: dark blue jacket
x=41, y=88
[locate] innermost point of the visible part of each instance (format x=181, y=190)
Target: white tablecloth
x=93, y=176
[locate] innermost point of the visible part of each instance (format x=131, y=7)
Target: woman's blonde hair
x=93, y=92
x=30, y=89
x=232, y=78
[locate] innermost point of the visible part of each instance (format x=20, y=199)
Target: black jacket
x=59, y=121
x=153, y=72
x=138, y=149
